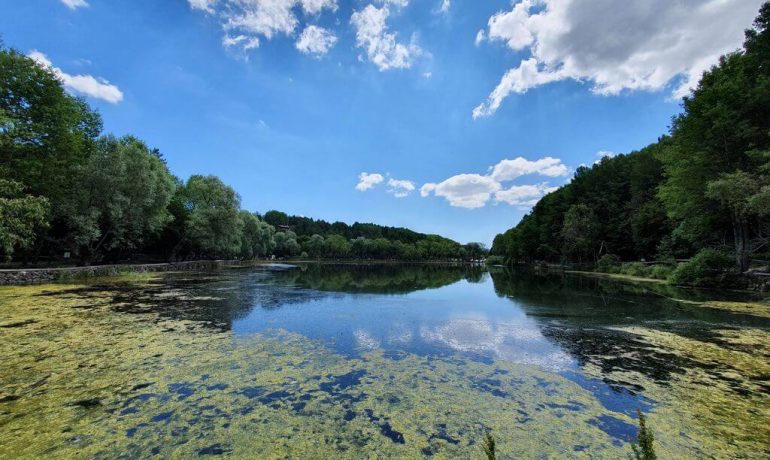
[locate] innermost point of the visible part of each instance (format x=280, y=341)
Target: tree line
x=702, y=188
x=70, y=191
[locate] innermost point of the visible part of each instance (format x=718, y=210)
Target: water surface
x=352, y=361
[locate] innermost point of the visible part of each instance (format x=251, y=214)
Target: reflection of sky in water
x=463, y=317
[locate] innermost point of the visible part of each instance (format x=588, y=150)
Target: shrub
x=609, y=263
x=495, y=260
x=707, y=267
x=661, y=272
x=635, y=269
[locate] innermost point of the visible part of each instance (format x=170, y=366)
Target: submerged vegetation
x=703, y=190
x=150, y=366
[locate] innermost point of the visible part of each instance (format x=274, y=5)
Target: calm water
x=376, y=361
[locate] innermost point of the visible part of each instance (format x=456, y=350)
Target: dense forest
x=69, y=192
x=702, y=191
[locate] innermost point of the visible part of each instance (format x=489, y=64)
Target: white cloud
x=524, y=195
x=247, y=43
x=475, y=190
x=396, y=3
x=380, y=45
x=468, y=191
x=315, y=40
x=517, y=80
x=316, y=6
x=445, y=5
x=88, y=85
x=400, y=188
x=246, y=22
x=646, y=45
x=367, y=181
x=203, y=5
x=74, y=4
x=480, y=37
x=507, y=170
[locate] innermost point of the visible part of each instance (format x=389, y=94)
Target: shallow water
x=346, y=361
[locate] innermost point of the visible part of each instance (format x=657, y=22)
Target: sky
x=443, y=116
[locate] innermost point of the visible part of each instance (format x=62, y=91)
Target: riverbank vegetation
x=702, y=192
x=71, y=193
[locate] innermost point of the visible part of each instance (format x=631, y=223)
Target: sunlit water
x=346, y=361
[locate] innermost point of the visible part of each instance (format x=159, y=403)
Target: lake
x=377, y=361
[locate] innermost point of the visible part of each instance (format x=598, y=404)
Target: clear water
x=382, y=361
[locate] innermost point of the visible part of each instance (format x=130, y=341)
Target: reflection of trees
x=578, y=313
x=378, y=278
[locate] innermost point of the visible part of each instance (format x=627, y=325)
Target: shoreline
x=23, y=276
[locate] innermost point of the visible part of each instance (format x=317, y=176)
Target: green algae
x=718, y=407
x=80, y=379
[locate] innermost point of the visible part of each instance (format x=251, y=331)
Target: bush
x=495, y=260
x=707, y=267
x=609, y=263
x=636, y=269
x=661, y=272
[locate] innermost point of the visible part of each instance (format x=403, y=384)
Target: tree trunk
x=741, y=235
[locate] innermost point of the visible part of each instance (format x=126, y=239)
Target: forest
x=701, y=192
x=70, y=193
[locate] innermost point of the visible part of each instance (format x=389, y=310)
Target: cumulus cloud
x=519, y=166
x=87, y=85
x=245, y=22
x=400, y=188
x=316, y=41
x=203, y=5
x=445, y=5
x=473, y=191
x=74, y=4
x=642, y=46
x=523, y=195
x=468, y=191
x=367, y=181
x=381, y=46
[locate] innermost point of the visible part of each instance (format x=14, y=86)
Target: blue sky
x=290, y=101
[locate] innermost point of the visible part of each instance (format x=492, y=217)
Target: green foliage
x=709, y=178
x=636, y=269
x=707, y=267
x=20, y=216
x=495, y=260
x=257, y=236
x=644, y=448
x=213, y=226
x=122, y=199
x=608, y=263
x=489, y=446
x=661, y=272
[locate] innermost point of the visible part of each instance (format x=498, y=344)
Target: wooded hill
x=703, y=187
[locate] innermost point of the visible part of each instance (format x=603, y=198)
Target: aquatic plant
x=643, y=448
x=489, y=446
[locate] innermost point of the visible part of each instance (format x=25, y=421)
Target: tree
x=579, y=232
x=315, y=246
x=20, y=216
x=286, y=244
x=46, y=135
x=212, y=226
x=725, y=122
x=276, y=218
x=121, y=200
x=256, y=236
